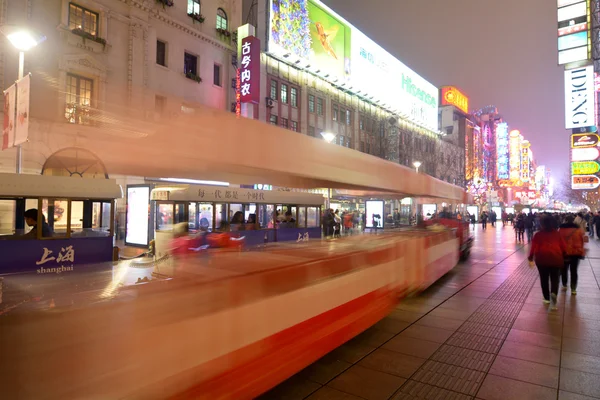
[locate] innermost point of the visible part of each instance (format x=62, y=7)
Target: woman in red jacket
x=548, y=249
x=573, y=237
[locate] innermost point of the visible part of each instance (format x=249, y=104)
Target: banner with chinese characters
x=22, y=121
x=249, y=86
x=8, y=128
x=55, y=257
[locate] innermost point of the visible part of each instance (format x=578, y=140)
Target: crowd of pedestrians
x=557, y=245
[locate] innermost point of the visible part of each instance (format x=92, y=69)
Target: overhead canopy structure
x=204, y=143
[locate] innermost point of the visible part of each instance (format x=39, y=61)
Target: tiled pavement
x=481, y=332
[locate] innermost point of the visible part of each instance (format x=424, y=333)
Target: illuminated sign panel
x=573, y=55
x=564, y=3
x=503, y=151
x=573, y=40
x=584, y=140
x=585, y=154
x=451, y=96
x=579, y=97
x=572, y=11
x=574, y=28
x=584, y=182
x=250, y=70
x=515, y=155
x=309, y=35
x=584, y=167
x=525, y=173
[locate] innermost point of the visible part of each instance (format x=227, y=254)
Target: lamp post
x=23, y=40
x=417, y=164
x=329, y=138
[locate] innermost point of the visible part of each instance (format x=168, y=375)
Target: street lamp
x=328, y=136
x=417, y=164
x=23, y=40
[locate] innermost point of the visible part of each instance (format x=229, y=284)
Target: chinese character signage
x=515, y=154
x=525, y=173
x=249, y=81
x=502, y=150
x=585, y=182
x=451, y=96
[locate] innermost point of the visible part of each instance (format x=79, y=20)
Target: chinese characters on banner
x=249, y=88
x=16, y=103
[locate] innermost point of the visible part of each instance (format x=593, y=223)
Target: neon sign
x=250, y=71
x=503, y=151
x=451, y=96
x=515, y=154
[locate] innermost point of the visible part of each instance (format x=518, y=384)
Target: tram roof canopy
x=21, y=185
x=204, y=143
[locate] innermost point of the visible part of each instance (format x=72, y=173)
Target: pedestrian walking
x=548, y=251
x=573, y=237
x=520, y=227
x=484, y=218
x=529, y=226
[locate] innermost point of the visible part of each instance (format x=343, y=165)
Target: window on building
x=368, y=148
x=294, y=126
x=217, y=75
x=273, y=119
x=284, y=93
x=311, y=131
x=362, y=146
x=311, y=103
x=190, y=64
x=319, y=106
x=221, y=19
x=193, y=7
x=361, y=124
x=284, y=122
x=160, y=103
x=79, y=92
x=273, y=89
x=84, y=19
x=348, y=117
x=161, y=53
x=335, y=112
x=294, y=97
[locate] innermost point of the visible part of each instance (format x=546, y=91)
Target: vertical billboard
x=309, y=35
x=574, y=35
x=515, y=155
x=579, y=97
x=250, y=70
x=138, y=215
x=502, y=151
x=8, y=128
x=525, y=161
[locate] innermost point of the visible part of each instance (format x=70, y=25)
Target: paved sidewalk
x=480, y=332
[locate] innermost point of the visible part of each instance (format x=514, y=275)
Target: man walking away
x=548, y=250
x=529, y=225
x=573, y=237
x=484, y=218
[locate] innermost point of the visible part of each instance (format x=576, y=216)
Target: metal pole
x=19, y=149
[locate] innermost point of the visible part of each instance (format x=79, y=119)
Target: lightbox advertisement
x=374, y=211
x=574, y=42
x=138, y=204
x=309, y=35
x=579, y=97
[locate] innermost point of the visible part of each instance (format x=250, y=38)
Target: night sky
x=497, y=52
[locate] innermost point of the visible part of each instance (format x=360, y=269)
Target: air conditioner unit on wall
x=270, y=102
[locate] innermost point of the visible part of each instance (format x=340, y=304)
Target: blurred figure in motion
x=237, y=221
x=251, y=223
x=31, y=216
x=181, y=244
x=484, y=218
x=520, y=228
x=337, y=226
x=572, y=234
x=348, y=223
x=289, y=221
x=204, y=224
x=328, y=223
x=548, y=250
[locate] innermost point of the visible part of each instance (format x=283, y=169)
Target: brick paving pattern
x=481, y=332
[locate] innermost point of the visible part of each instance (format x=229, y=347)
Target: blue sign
x=54, y=256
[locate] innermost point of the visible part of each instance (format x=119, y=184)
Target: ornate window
x=78, y=99
x=83, y=19
x=221, y=19
x=193, y=7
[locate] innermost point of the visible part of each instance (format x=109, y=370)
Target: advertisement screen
x=138, y=203
x=564, y=3
x=503, y=151
x=574, y=40
x=374, y=211
x=474, y=211
x=428, y=211
x=572, y=11
x=309, y=35
x=573, y=55
x=585, y=154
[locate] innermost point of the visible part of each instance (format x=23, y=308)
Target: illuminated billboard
x=579, y=140
x=574, y=43
x=585, y=154
x=503, y=151
x=309, y=35
x=515, y=155
x=451, y=96
x=579, y=97
x=525, y=161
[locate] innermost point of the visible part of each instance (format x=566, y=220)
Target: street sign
x=584, y=167
x=584, y=129
x=585, y=182
x=585, y=154
x=579, y=140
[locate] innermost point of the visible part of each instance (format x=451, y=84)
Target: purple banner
x=54, y=256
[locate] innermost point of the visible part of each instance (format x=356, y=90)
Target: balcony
x=79, y=114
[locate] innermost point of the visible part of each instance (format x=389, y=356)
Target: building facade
x=315, y=97
x=110, y=65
